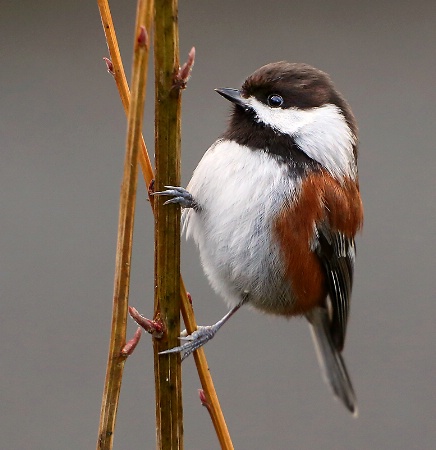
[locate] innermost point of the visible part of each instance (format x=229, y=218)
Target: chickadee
x=274, y=206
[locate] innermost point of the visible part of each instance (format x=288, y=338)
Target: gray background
x=62, y=133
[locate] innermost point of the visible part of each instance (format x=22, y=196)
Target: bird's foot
x=179, y=196
x=195, y=340
x=203, y=334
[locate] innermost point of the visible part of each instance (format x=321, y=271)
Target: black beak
x=234, y=95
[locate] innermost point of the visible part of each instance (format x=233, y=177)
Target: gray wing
x=337, y=254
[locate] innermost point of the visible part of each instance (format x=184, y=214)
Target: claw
x=180, y=196
x=174, y=200
x=186, y=349
x=195, y=340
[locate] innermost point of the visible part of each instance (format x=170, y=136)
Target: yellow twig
x=120, y=76
x=116, y=357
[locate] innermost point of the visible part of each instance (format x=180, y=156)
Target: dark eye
x=275, y=100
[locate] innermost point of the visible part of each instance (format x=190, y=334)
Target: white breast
x=240, y=191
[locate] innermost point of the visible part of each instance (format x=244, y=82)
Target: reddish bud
x=142, y=37
x=109, y=66
x=203, y=399
x=184, y=73
x=151, y=187
x=154, y=327
x=131, y=345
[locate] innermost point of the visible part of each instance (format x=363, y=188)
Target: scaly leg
x=203, y=334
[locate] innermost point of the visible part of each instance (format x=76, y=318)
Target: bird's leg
x=203, y=334
x=180, y=196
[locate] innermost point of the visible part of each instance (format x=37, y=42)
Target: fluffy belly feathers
x=244, y=191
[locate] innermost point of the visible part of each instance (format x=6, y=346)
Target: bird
x=274, y=207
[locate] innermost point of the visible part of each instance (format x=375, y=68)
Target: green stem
x=169, y=418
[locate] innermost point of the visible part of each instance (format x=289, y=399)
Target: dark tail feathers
x=330, y=360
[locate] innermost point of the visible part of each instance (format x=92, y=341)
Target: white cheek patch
x=322, y=133
x=285, y=121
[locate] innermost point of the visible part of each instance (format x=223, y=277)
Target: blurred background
x=62, y=135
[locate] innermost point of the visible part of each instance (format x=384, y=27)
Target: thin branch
x=167, y=369
x=115, y=67
x=116, y=356
x=144, y=161
x=206, y=381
